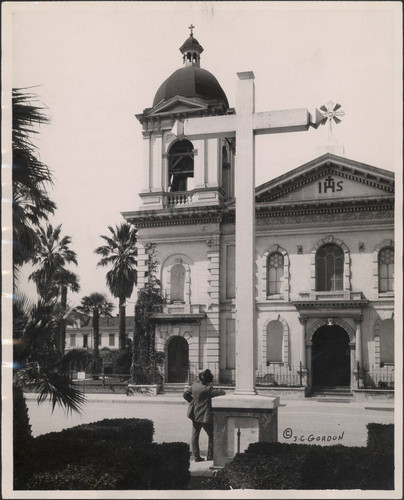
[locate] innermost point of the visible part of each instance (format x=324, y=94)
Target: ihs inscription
x=329, y=184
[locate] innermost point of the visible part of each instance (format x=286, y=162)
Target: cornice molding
x=314, y=305
x=273, y=218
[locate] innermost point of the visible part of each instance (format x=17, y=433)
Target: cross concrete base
x=240, y=420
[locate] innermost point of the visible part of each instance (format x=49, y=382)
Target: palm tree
x=120, y=252
x=67, y=281
x=52, y=253
x=31, y=203
x=52, y=279
x=38, y=364
x=96, y=305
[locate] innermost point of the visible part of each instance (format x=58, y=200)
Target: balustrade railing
x=179, y=198
x=379, y=378
x=272, y=375
x=283, y=375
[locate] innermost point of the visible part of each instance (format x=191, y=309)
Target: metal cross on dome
x=331, y=112
x=191, y=28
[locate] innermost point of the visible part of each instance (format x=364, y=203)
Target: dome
x=191, y=81
x=191, y=43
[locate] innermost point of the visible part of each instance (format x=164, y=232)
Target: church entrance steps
x=174, y=388
x=332, y=394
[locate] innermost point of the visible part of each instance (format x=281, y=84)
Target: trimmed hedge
x=256, y=472
x=79, y=444
x=109, y=454
x=74, y=477
x=157, y=466
x=172, y=466
x=381, y=437
x=301, y=466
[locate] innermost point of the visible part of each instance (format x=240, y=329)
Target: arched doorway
x=177, y=360
x=331, y=357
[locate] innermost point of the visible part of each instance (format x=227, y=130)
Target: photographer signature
x=309, y=438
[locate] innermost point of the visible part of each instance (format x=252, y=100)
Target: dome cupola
x=191, y=80
x=191, y=50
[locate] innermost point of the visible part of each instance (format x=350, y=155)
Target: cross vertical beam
x=245, y=236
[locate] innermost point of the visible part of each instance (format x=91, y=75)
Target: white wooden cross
x=245, y=125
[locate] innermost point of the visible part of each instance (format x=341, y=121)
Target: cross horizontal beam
x=268, y=122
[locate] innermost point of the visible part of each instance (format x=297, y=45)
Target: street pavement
x=300, y=421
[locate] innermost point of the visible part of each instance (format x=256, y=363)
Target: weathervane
x=331, y=112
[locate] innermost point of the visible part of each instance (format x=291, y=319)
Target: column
x=156, y=162
x=200, y=162
x=146, y=171
x=213, y=163
x=358, y=335
x=353, y=367
x=303, y=322
x=245, y=237
x=213, y=318
x=309, y=367
x=358, y=369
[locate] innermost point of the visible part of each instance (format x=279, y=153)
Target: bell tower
x=177, y=172
x=191, y=50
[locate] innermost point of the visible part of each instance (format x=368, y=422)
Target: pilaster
x=213, y=320
x=142, y=265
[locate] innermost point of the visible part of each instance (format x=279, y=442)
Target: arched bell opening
x=181, y=166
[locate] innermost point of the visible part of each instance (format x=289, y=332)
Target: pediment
x=178, y=104
x=327, y=179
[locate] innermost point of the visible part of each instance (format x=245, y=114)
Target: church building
x=324, y=274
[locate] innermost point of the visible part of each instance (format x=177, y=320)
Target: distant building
x=324, y=252
x=80, y=336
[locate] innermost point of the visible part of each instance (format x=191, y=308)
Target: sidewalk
x=177, y=399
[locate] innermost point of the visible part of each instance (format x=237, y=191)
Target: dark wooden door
x=177, y=360
x=331, y=357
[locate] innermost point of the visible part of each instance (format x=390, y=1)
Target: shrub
x=85, y=443
x=381, y=437
x=109, y=454
x=74, y=477
x=123, y=361
x=302, y=466
x=257, y=472
x=172, y=466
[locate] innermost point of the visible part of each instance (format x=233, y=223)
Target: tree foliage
x=52, y=253
x=31, y=202
x=120, y=252
x=149, y=301
x=52, y=278
x=96, y=305
x=38, y=364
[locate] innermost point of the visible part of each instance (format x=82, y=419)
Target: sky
x=97, y=64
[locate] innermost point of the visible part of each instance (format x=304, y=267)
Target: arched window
x=329, y=268
x=180, y=166
x=177, y=283
x=274, y=273
x=274, y=342
x=386, y=269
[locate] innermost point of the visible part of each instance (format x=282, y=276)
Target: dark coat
x=201, y=396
